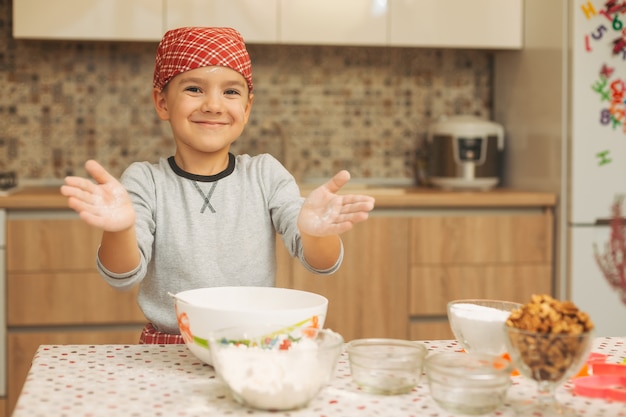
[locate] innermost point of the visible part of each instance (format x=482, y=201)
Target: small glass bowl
x=386, y=366
x=468, y=383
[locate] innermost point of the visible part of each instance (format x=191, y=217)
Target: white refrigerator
x=562, y=101
x=598, y=161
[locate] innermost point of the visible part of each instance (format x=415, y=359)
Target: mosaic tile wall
x=317, y=108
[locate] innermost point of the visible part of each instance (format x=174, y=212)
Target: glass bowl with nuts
x=548, y=341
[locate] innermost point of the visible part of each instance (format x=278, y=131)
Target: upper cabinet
x=256, y=20
x=332, y=22
x=456, y=23
x=495, y=24
x=116, y=20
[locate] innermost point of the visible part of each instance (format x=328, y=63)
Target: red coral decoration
x=612, y=262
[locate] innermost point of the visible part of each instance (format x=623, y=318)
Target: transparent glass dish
x=386, y=366
x=468, y=383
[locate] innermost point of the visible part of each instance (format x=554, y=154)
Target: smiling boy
x=205, y=217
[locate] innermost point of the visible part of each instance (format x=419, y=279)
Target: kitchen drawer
x=431, y=287
x=481, y=238
x=430, y=330
x=68, y=299
x=55, y=244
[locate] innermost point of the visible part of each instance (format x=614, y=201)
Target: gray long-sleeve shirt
x=205, y=231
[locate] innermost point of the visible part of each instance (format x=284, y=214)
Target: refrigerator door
x=598, y=111
x=590, y=290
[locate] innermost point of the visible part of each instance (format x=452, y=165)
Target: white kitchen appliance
x=562, y=100
x=464, y=152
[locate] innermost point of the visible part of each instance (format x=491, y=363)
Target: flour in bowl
x=478, y=312
x=273, y=379
x=479, y=328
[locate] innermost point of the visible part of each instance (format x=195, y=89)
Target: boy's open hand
x=104, y=204
x=326, y=213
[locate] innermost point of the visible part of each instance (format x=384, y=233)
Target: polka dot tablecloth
x=167, y=380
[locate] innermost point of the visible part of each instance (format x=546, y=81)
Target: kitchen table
x=167, y=380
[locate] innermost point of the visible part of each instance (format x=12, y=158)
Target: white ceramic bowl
x=269, y=369
x=201, y=311
x=478, y=324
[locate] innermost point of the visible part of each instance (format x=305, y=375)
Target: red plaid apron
x=151, y=336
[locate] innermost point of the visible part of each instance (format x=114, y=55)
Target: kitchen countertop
x=34, y=197
x=49, y=197
x=142, y=380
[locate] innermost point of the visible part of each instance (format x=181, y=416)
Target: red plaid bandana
x=189, y=48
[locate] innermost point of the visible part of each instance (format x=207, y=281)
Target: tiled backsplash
x=317, y=108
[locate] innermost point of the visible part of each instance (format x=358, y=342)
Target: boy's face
x=207, y=108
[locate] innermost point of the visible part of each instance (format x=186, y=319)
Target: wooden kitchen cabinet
x=402, y=267
x=493, y=24
x=54, y=293
x=115, y=20
x=481, y=254
x=68, y=298
x=367, y=296
x=256, y=20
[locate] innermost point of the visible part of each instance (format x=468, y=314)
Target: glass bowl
x=477, y=324
x=468, y=383
x=270, y=368
x=386, y=366
x=549, y=359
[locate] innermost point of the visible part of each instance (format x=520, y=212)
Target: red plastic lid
x=609, y=387
x=606, y=368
